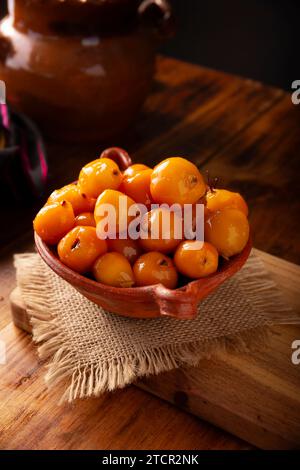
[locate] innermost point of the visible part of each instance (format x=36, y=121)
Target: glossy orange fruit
x=161, y=237
x=137, y=186
x=53, y=221
x=194, y=217
x=113, y=269
x=195, y=259
x=228, y=230
x=177, y=180
x=135, y=168
x=85, y=218
x=220, y=199
x=126, y=247
x=80, y=248
x=99, y=175
x=155, y=268
x=71, y=193
x=114, y=199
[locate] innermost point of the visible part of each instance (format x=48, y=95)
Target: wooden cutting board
x=254, y=396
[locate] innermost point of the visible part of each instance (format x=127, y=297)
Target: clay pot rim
x=91, y=17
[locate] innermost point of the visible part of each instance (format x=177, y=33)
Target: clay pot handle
x=119, y=156
x=175, y=304
x=159, y=13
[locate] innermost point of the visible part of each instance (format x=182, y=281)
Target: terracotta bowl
x=144, y=302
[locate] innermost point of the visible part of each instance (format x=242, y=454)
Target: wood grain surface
x=254, y=396
x=244, y=132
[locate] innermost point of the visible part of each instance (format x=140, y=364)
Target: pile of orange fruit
x=70, y=216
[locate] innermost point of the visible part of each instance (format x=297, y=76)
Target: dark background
x=252, y=38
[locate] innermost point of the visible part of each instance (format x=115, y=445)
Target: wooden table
x=244, y=132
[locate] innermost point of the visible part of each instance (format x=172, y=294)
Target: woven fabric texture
x=94, y=351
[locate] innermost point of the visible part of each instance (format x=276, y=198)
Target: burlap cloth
x=93, y=351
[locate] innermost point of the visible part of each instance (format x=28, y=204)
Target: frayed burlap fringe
x=92, y=380
x=89, y=371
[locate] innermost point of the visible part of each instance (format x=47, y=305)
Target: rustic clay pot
x=143, y=302
x=81, y=70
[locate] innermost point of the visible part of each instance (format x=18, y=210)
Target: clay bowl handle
x=183, y=303
x=119, y=156
x=158, y=13
x=176, y=304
